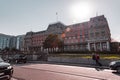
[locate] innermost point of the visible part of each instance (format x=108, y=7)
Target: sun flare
x=80, y=11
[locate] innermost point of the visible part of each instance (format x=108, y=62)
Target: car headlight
x=9, y=67
x=112, y=63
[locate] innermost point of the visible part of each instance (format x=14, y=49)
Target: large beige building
x=93, y=35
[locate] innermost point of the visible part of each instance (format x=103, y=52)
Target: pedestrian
x=98, y=60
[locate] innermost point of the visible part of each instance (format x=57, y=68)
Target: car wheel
x=118, y=69
x=9, y=78
x=24, y=61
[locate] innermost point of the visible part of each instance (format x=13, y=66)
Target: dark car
x=115, y=65
x=18, y=59
x=6, y=70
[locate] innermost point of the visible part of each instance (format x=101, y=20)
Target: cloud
x=116, y=37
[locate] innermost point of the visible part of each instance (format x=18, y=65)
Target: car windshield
x=16, y=56
x=118, y=61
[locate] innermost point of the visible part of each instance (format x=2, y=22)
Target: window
x=104, y=46
x=72, y=47
x=86, y=35
x=103, y=33
x=97, y=34
x=71, y=41
x=68, y=41
x=80, y=36
x=91, y=34
x=69, y=37
x=91, y=26
x=65, y=38
x=73, y=37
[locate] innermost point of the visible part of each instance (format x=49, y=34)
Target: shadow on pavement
x=116, y=73
x=16, y=78
x=99, y=68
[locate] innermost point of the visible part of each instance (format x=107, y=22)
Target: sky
x=20, y=16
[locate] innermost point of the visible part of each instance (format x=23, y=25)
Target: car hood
x=116, y=61
x=4, y=64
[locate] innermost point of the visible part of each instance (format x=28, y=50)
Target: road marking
x=14, y=79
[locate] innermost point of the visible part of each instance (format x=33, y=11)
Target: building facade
x=93, y=35
x=4, y=41
x=20, y=42
x=13, y=41
x=115, y=46
x=76, y=38
x=8, y=41
x=34, y=40
x=99, y=34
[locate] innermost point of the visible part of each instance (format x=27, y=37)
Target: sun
x=80, y=11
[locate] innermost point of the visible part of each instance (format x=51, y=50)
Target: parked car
x=115, y=65
x=18, y=59
x=6, y=70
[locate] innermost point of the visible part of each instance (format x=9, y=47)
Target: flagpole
x=96, y=14
x=56, y=16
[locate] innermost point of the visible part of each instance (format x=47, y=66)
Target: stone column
x=100, y=46
x=89, y=46
x=41, y=48
x=108, y=46
x=94, y=46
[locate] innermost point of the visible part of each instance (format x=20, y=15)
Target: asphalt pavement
x=45, y=71
x=14, y=79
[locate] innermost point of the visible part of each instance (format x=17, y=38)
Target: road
x=61, y=72
x=14, y=79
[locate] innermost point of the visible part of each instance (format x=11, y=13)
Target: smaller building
x=4, y=41
x=115, y=46
x=13, y=41
x=20, y=42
